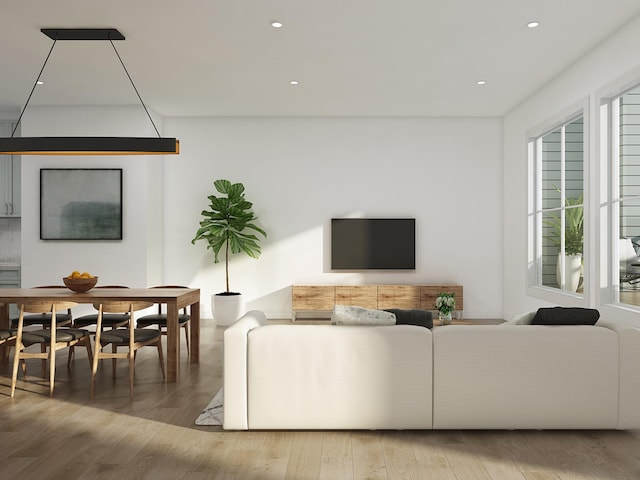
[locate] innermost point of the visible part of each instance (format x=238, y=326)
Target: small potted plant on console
x=445, y=304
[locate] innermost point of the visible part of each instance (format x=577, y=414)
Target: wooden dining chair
x=7, y=338
x=50, y=340
x=160, y=318
x=130, y=338
x=109, y=320
x=44, y=319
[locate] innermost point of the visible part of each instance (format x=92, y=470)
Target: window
x=625, y=201
x=558, y=227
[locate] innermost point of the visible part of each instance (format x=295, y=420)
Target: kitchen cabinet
x=9, y=177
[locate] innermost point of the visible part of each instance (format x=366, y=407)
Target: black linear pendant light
x=87, y=145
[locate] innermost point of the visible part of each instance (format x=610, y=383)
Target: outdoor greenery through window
x=559, y=158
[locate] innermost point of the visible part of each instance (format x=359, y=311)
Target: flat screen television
x=373, y=243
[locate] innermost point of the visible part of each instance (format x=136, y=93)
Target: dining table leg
x=194, y=350
x=4, y=315
x=173, y=344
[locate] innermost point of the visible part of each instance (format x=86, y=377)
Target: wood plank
x=429, y=450
x=400, y=462
x=429, y=293
x=368, y=456
x=365, y=296
x=337, y=457
x=466, y=464
x=541, y=476
x=313, y=297
x=304, y=457
x=272, y=458
x=494, y=457
x=398, y=296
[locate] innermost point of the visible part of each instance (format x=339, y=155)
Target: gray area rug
x=212, y=414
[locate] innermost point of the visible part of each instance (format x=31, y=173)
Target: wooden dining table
x=173, y=298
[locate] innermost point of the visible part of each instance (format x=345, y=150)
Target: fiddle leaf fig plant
x=229, y=223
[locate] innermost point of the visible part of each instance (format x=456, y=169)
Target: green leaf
x=222, y=186
x=235, y=191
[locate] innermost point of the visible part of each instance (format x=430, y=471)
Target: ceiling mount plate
x=82, y=33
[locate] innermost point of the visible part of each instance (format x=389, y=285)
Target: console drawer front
x=313, y=297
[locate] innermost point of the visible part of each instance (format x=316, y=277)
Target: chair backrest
x=97, y=305
x=120, y=307
x=123, y=306
x=46, y=307
x=49, y=311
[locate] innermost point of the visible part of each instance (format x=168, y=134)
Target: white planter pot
x=227, y=308
x=572, y=271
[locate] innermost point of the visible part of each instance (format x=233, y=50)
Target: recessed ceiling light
x=277, y=24
x=40, y=82
x=533, y=24
x=294, y=82
x=481, y=82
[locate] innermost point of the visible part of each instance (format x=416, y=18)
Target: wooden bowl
x=80, y=285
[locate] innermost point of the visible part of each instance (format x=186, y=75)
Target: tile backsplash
x=9, y=240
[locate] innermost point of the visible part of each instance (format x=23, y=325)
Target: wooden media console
x=322, y=298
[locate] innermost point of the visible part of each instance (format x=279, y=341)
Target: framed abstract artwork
x=81, y=204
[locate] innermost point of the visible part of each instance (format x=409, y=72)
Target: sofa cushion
x=348, y=315
x=421, y=318
x=566, y=316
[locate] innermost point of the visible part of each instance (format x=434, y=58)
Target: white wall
x=136, y=260
x=609, y=63
x=300, y=172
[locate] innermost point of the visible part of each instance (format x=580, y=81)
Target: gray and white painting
x=81, y=204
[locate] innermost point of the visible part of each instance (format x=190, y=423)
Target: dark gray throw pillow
x=566, y=316
x=422, y=318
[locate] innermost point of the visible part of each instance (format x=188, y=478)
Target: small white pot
x=572, y=271
x=227, y=308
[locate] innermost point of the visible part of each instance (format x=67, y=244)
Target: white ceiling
x=351, y=57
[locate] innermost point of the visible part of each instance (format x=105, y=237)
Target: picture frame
x=81, y=204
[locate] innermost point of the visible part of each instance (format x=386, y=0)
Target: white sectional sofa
x=287, y=376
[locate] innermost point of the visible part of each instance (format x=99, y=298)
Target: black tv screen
x=373, y=243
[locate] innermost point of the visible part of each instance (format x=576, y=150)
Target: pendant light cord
x=121, y=63
x=34, y=87
x=134, y=87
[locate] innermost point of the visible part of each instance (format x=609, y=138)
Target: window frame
x=535, y=288
x=612, y=197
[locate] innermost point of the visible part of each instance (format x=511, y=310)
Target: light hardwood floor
x=71, y=437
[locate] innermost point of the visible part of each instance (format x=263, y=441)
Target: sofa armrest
x=629, y=375
x=235, y=369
